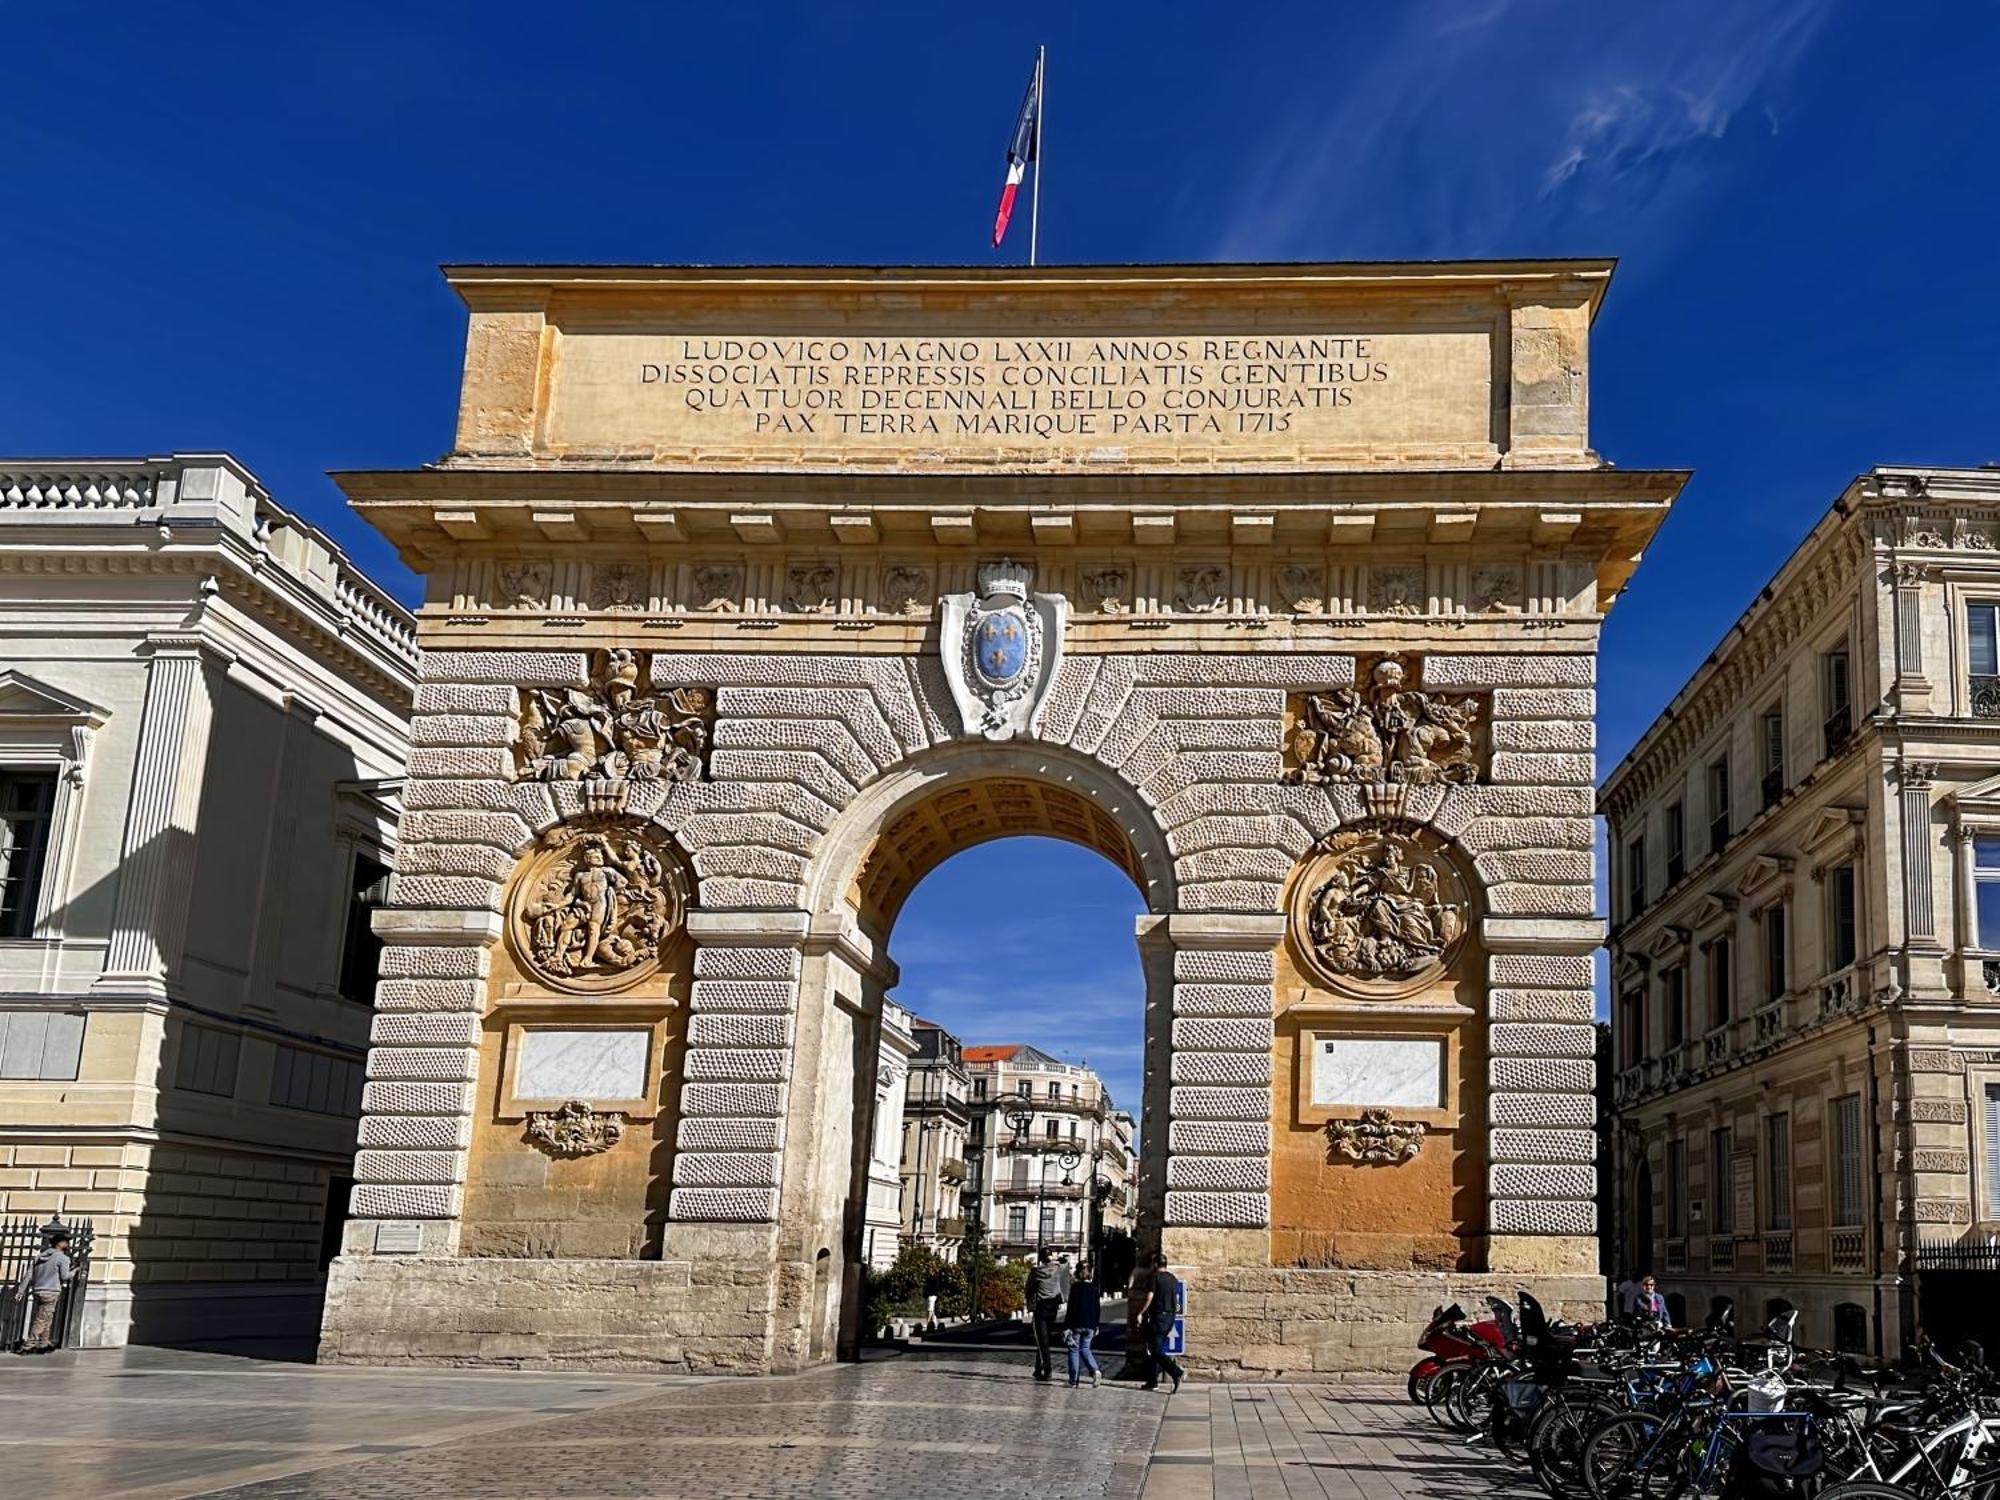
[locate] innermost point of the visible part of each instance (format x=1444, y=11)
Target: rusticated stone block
x=1544, y=735
x=1222, y=999
x=731, y=1205
x=489, y=730
x=712, y=962
x=424, y=1064
x=1521, y=900
x=1514, y=768
x=1554, y=866
x=501, y=698
x=1544, y=703
x=1498, y=671
x=1541, y=969
x=399, y=1097
x=1543, y=1182
x=740, y=1030
x=1542, y=1216
x=416, y=1132
x=1222, y=1067
x=744, y=994
x=426, y=1029
x=1542, y=1041
x=385, y=1166
x=373, y=1200
x=1219, y=1137
x=733, y=1099
x=430, y=994
x=1544, y=1145
x=1220, y=1103
x=1547, y=1110
x=729, y=1135
x=512, y=668
x=726, y=1169
x=738, y=1064
x=1242, y=1035
x=1541, y=1005
x=1222, y=966
x=1550, y=1075
x=1199, y=1210
x=1219, y=1173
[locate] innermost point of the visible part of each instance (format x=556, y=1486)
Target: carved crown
x=1004, y=577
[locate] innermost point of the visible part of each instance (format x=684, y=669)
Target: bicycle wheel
x=1866, y=1489
x=1437, y=1390
x=1620, y=1458
x=1555, y=1442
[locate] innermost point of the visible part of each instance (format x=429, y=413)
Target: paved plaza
x=149, y=1424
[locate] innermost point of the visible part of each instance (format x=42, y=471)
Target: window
x=360, y=949
x=1676, y=842
x=1635, y=876
x=1718, y=804
x=1072, y=1130
x=1778, y=1172
x=40, y=1044
x=1986, y=890
x=1836, y=694
x=1850, y=1328
x=1721, y=981
x=1840, y=916
x=1676, y=1189
x=328, y=1085
x=208, y=1061
x=1675, y=981
x=27, y=805
x=1027, y=1088
x=1017, y=1223
x=1631, y=1027
x=1983, y=659
x=1774, y=953
x=1772, y=739
x=1053, y=1129
x=1847, y=1185
x=1993, y=1150
x=1048, y=1230
x=1721, y=1189
x=1055, y=1090
x=979, y=1088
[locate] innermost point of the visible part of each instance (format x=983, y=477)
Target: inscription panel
x=1369, y=394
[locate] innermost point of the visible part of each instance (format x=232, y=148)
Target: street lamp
x=1067, y=1158
x=924, y=1128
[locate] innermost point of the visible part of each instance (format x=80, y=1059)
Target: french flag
x=1021, y=149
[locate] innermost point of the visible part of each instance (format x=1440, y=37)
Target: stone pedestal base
x=682, y=1317
x=1267, y=1324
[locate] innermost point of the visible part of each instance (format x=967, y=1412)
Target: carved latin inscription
x=1384, y=730
x=608, y=732
x=593, y=910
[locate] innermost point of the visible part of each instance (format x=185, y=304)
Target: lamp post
x=924, y=1128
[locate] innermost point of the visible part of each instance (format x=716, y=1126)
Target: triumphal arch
x=755, y=593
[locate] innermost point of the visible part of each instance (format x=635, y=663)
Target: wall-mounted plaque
x=583, y=1063
x=1396, y=1072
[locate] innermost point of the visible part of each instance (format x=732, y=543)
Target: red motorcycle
x=1449, y=1339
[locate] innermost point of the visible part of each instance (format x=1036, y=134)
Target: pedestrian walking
x=42, y=1286
x=1156, y=1318
x=1649, y=1306
x=1048, y=1284
x=1081, y=1321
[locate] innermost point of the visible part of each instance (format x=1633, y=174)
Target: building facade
x=1052, y=1165
x=1806, y=1032
x=937, y=1117
x=753, y=594
x=882, y=1226
x=204, y=718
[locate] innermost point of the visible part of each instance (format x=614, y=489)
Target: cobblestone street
x=158, y=1425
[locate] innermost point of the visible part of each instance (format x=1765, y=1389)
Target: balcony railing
x=1837, y=994
x=1722, y=1254
x=1055, y=1239
x=1773, y=785
x=1770, y=1022
x=1986, y=697
x=1677, y=1255
x=1847, y=1250
x=1778, y=1251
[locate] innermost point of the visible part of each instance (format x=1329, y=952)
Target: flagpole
x=1035, y=197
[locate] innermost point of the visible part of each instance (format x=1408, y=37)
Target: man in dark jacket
x=1156, y=1319
x=1080, y=1324
x=1048, y=1284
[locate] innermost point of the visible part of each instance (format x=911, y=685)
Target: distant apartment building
x=937, y=1115
x=204, y=717
x=1806, y=942
x=882, y=1221
x=1050, y=1157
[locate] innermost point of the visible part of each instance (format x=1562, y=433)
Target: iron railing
x=21, y=1240
x=1954, y=1255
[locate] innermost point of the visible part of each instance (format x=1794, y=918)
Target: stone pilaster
x=156, y=857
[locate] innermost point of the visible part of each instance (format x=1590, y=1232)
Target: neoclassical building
x=937, y=1118
x=1806, y=1028
x=752, y=594
x=204, y=714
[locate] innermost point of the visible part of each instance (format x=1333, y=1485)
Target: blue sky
x=225, y=221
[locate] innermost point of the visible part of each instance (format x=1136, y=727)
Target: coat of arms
x=1001, y=646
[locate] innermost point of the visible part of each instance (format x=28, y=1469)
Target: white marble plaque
x=598, y=1063
x=1398, y=1072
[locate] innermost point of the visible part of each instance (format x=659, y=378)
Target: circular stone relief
x=1379, y=910
x=594, y=908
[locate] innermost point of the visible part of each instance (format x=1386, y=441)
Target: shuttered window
x=1676, y=1189
x=1778, y=1171
x=1993, y=1150
x=1722, y=1212
x=1847, y=1180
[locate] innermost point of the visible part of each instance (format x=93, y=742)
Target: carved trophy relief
x=718, y=587
x=610, y=731
x=907, y=590
x=1302, y=588
x=1496, y=589
x=593, y=910
x=1201, y=589
x=811, y=588
x=1384, y=730
x=523, y=585
x=1107, y=590
x=1924, y=531
x=1397, y=589
x=618, y=586
x=1379, y=909
x=574, y=1129
x=1375, y=1138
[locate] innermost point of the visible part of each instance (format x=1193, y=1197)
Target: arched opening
x=1005, y=1026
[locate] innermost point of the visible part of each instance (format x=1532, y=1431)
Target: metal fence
x=1959, y=1255
x=21, y=1240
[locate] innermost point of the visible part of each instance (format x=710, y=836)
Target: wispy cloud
x=1515, y=127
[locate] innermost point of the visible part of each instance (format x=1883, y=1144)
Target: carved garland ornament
x=1376, y=910
x=1375, y=1138
x=607, y=732
x=574, y=1130
x=1383, y=730
x=594, y=909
